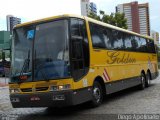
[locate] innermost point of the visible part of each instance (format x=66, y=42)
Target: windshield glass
x=21, y=53
x=51, y=50
x=48, y=44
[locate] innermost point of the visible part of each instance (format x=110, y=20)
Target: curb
x=2, y=88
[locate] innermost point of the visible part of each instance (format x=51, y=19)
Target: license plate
x=35, y=98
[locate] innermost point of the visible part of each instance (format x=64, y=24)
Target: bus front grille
x=26, y=90
x=42, y=88
x=34, y=90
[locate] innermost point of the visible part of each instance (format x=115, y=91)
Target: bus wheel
x=143, y=81
x=148, y=80
x=97, y=95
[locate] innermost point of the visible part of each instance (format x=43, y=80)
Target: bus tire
x=97, y=94
x=143, y=81
x=148, y=79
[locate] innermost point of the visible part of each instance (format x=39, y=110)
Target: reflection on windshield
x=52, y=70
x=51, y=48
x=25, y=67
x=51, y=51
x=21, y=55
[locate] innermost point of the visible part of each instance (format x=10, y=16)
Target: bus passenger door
x=79, y=48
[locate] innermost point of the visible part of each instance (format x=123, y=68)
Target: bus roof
x=48, y=19
x=82, y=17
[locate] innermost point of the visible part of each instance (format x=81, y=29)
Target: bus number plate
x=34, y=98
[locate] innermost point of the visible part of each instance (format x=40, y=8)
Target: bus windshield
x=41, y=52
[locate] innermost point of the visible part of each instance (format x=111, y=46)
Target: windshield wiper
x=25, y=66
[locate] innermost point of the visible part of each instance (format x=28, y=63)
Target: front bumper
x=67, y=98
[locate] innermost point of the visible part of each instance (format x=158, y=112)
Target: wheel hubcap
x=148, y=81
x=97, y=94
x=143, y=82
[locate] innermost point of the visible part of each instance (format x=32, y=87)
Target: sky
x=29, y=10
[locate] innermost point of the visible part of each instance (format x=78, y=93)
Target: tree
x=121, y=21
x=94, y=16
x=101, y=12
x=116, y=19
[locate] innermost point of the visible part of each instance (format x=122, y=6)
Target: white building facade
x=155, y=36
x=87, y=7
x=11, y=22
x=137, y=16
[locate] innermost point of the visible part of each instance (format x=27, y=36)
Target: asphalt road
x=130, y=101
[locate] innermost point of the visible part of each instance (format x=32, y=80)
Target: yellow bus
x=67, y=60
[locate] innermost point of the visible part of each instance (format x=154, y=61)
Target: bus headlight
x=60, y=87
x=64, y=87
x=53, y=88
x=14, y=90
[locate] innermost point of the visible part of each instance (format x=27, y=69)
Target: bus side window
x=143, y=45
x=135, y=43
x=97, y=34
x=127, y=42
x=117, y=38
x=151, y=47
